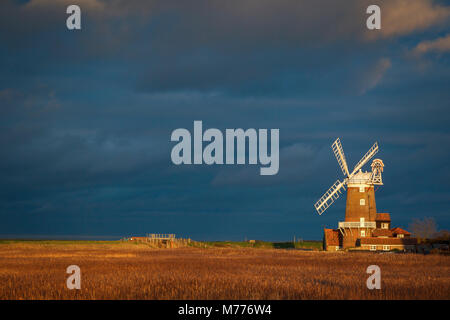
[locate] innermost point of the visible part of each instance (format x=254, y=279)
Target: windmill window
x=386, y=248
x=361, y=189
x=362, y=202
x=384, y=226
x=373, y=248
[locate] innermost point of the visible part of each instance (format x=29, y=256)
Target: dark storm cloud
x=87, y=115
x=254, y=47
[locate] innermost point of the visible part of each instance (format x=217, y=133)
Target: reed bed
x=137, y=271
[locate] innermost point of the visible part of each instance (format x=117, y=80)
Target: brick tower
x=360, y=210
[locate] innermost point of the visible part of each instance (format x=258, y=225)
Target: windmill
x=360, y=210
x=363, y=228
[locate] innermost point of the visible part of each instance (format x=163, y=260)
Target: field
x=115, y=270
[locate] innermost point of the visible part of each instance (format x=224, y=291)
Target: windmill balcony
x=357, y=224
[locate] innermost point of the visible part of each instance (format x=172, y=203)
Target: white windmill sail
x=369, y=154
x=339, y=153
x=328, y=198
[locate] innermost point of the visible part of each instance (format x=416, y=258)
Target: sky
x=87, y=115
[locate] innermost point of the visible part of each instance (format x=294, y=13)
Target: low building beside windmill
x=382, y=238
x=332, y=240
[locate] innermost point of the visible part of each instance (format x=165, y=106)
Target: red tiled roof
x=382, y=233
x=400, y=231
x=372, y=240
x=383, y=217
x=331, y=237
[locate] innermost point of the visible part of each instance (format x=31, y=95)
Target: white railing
x=356, y=224
x=360, y=181
x=157, y=236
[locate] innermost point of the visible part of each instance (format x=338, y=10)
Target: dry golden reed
x=130, y=271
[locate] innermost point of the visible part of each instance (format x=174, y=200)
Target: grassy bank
x=305, y=245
